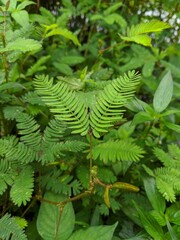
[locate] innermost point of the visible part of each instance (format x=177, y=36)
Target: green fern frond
x=54, y=151
x=6, y=179
x=21, y=154
x=163, y=157
x=29, y=129
x=38, y=66
x=53, y=132
x=174, y=152
x=22, y=45
x=63, y=103
x=113, y=151
x=138, y=33
x=59, y=183
x=106, y=175
x=108, y=108
x=170, y=159
x=147, y=27
x=22, y=187
x=167, y=177
x=10, y=229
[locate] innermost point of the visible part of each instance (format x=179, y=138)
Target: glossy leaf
x=51, y=224
x=163, y=93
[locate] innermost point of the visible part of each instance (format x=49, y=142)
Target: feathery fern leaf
x=10, y=229
x=138, y=33
x=147, y=27
x=53, y=132
x=167, y=177
x=55, y=150
x=29, y=128
x=23, y=45
x=22, y=187
x=113, y=151
x=59, y=183
x=63, y=103
x=32, y=98
x=108, y=108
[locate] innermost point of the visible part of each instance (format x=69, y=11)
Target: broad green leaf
x=21, y=17
x=23, y=45
x=51, y=224
x=155, y=198
x=24, y=4
x=94, y=233
x=113, y=8
x=141, y=117
x=163, y=93
x=173, y=126
x=11, y=85
x=65, y=33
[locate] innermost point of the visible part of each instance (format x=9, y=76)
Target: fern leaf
x=23, y=45
x=166, y=190
x=29, y=129
x=65, y=33
x=32, y=98
x=63, y=103
x=148, y=27
x=22, y=187
x=10, y=229
x=174, y=152
x=53, y=132
x=138, y=33
x=108, y=108
x=59, y=183
x=113, y=151
x=163, y=157
x=38, y=66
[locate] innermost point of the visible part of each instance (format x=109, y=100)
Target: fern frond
x=22, y=187
x=54, y=151
x=147, y=27
x=138, y=33
x=22, y=45
x=53, y=132
x=63, y=103
x=6, y=179
x=167, y=181
x=10, y=229
x=38, y=66
x=108, y=108
x=29, y=129
x=163, y=157
x=170, y=159
x=59, y=183
x=113, y=151
x=174, y=152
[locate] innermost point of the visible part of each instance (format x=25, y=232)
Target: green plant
x=74, y=140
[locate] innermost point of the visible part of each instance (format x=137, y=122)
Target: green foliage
x=89, y=111
x=48, y=227
x=9, y=228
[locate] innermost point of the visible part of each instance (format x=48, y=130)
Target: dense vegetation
x=89, y=120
